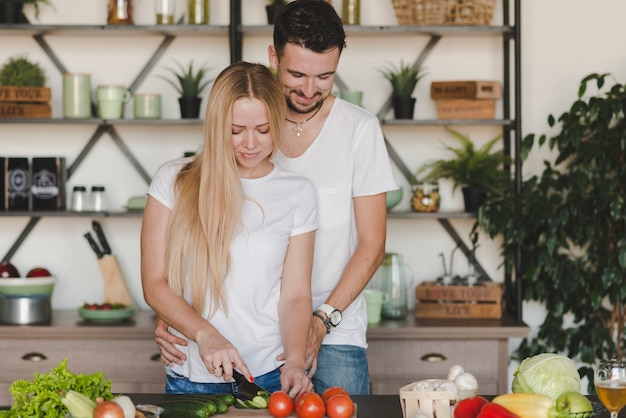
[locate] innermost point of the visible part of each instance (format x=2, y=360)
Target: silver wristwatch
x=333, y=315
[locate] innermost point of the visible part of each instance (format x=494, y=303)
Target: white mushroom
x=423, y=386
x=447, y=386
x=466, y=381
x=454, y=372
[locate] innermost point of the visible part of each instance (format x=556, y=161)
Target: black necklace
x=298, y=128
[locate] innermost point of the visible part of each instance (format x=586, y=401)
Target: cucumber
x=218, y=400
x=187, y=407
x=241, y=404
x=258, y=402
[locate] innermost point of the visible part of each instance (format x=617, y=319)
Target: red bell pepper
x=469, y=407
x=493, y=410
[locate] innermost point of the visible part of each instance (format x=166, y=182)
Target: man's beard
x=305, y=110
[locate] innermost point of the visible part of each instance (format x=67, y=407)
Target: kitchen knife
x=93, y=245
x=246, y=389
x=106, y=249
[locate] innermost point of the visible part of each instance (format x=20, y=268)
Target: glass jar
x=351, y=12
x=425, y=197
x=198, y=12
x=120, y=12
x=79, y=198
x=98, y=199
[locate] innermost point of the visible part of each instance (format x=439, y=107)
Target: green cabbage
x=548, y=374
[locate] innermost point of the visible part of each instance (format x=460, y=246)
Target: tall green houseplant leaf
x=570, y=224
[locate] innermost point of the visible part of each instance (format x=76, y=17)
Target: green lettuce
x=548, y=374
x=41, y=397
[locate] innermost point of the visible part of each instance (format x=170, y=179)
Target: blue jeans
x=176, y=383
x=342, y=365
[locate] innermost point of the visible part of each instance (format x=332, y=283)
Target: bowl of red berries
x=106, y=313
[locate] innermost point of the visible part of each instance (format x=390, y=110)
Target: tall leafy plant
x=570, y=224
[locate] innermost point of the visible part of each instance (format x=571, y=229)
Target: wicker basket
x=432, y=404
x=444, y=12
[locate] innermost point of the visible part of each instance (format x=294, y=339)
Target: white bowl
x=27, y=286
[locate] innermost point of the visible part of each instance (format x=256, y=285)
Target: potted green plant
x=403, y=79
x=568, y=224
x=19, y=71
x=11, y=11
x=478, y=171
x=189, y=82
x=272, y=8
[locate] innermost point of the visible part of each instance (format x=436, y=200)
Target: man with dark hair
x=340, y=148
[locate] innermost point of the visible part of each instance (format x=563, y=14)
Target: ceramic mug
x=111, y=100
x=147, y=106
x=374, y=300
x=76, y=96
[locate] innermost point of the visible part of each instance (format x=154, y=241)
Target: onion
x=127, y=406
x=108, y=409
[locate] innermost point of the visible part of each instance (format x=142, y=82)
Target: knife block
x=115, y=289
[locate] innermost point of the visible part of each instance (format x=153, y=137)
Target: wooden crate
x=466, y=109
x=465, y=90
x=25, y=102
x=434, y=301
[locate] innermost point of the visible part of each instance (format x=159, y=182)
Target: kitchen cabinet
x=126, y=353
x=404, y=351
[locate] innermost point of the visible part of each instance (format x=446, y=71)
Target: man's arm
x=371, y=222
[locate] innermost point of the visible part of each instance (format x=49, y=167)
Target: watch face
x=334, y=318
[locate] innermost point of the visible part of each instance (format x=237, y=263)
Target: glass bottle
x=351, y=12
x=198, y=12
x=120, y=12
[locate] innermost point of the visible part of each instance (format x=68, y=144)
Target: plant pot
x=189, y=107
x=272, y=11
x=11, y=12
x=473, y=198
x=403, y=107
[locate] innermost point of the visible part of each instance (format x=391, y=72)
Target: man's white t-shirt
x=348, y=159
x=279, y=206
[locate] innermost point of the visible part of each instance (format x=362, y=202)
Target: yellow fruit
x=528, y=405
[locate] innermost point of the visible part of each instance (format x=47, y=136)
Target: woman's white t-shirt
x=277, y=207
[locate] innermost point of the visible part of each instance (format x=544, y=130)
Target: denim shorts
x=176, y=383
x=342, y=365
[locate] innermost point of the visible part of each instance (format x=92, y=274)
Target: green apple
x=572, y=403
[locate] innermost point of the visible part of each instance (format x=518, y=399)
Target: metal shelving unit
x=510, y=123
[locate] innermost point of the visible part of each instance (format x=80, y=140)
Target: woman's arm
x=294, y=312
x=173, y=309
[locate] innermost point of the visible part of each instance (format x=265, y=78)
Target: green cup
x=76, y=96
x=352, y=96
x=111, y=100
x=374, y=300
x=147, y=106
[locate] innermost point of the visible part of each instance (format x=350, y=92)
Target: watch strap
x=326, y=308
x=324, y=320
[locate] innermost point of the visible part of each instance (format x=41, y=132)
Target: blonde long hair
x=209, y=195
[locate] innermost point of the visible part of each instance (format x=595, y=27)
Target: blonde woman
x=227, y=246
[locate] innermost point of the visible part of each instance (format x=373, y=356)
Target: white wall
x=562, y=41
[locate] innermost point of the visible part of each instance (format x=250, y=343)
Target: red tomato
x=310, y=405
x=280, y=405
x=334, y=390
x=339, y=406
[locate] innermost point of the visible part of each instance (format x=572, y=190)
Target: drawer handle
x=34, y=357
x=155, y=357
x=433, y=357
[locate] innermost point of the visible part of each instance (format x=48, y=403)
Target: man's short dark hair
x=313, y=24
